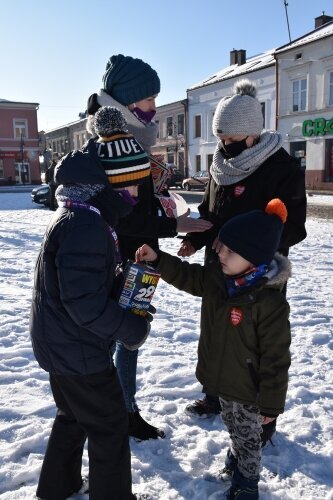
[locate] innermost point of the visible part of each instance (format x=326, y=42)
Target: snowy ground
x=299, y=466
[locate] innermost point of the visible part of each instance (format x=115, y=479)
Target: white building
x=305, y=101
x=204, y=97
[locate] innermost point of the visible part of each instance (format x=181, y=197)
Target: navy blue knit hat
x=256, y=235
x=129, y=80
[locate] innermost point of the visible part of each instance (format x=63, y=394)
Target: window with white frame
x=197, y=163
x=197, y=126
x=299, y=94
x=158, y=128
x=330, y=99
x=169, y=124
x=211, y=123
x=20, y=128
x=180, y=124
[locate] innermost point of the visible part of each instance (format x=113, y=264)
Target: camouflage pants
x=244, y=424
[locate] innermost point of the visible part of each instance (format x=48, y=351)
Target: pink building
x=19, y=146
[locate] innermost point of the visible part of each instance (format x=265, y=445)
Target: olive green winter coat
x=243, y=352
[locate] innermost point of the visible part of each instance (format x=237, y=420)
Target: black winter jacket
x=278, y=177
x=74, y=314
x=142, y=225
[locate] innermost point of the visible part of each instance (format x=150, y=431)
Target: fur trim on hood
x=282, y=274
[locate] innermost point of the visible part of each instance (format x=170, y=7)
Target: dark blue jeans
x=126, y=363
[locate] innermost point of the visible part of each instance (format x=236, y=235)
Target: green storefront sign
x=319, y=126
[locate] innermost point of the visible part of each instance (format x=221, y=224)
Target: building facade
x=19, y=143
x=305, y=101
x=171, y=146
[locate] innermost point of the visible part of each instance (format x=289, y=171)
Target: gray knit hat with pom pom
x=240, y=113
x=109, y=120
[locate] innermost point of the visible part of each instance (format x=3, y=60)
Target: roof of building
x=18, y=102
x=66, y=125
x=317, y=34
x=253, y=63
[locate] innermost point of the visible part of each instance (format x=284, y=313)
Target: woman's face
x=145, y=105
x=228, y=139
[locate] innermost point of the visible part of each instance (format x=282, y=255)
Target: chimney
x=321, y=20
x=233, y=57
x=241, y=57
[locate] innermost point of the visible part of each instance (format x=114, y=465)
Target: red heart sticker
x=236, y=316
x=239, y=190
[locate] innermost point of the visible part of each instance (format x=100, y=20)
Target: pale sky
x=54, y=52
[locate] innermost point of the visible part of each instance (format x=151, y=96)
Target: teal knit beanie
x=129, y=80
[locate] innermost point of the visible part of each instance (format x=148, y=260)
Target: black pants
x=90, y=406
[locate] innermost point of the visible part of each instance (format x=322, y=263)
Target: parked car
x=197, y=181
x=176, y=179
x=41, y=195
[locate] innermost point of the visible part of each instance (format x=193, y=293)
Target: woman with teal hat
x=132, y=85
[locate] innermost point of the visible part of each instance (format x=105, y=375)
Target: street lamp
x=22, y=159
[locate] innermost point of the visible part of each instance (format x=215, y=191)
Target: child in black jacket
x=75, y=319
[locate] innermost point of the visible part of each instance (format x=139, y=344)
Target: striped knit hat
x=124, y=160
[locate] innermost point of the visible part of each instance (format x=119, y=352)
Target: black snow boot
x=229, y=468
x=242, y=488
x=140, y=429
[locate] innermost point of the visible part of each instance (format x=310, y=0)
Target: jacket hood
x=81, y=168
x=283, y=272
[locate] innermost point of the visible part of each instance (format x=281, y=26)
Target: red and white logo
x=236, y=316
x=239, y=190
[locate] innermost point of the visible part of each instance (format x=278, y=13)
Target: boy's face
x=132, y=190
x=232, y=263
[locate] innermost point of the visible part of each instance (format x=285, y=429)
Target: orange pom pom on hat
x=256, y=235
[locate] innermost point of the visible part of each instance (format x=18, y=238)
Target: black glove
x=149, y=315
x=268, y=430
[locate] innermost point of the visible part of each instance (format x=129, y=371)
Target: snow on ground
x=298, y=466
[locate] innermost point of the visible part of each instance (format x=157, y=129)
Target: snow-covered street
x=298, y=466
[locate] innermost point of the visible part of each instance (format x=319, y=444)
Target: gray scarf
x=227, y=172
x=145, y=134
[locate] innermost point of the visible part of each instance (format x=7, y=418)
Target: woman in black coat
x=250, y=167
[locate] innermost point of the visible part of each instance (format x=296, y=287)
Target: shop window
x=197, y=163
x=197, y=126
x=170, y=158
x=328, y=175
x=299, y=95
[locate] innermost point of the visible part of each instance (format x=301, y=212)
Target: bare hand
x=267, y=420
x=145, y=253
x=186, y=224
x=217, y=245
x=186, y=249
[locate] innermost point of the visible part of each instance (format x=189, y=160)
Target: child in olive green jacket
x=243, y=354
